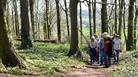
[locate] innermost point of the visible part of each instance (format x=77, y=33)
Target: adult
x=117, y=48
x=108, y=49
x=92, y=49
x=97, y=53
x=101, y=50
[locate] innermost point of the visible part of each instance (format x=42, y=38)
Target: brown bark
x=94, y=16
x=32, y=2
x=116, y=17
x=58, y=21
x=130, y=34
x=90, y=15
x=135, y=27
x=25, y=25
x=124, y=22
x=67, y=18
x=16, y=18
x=7, y=51
x=104, y=16
x=81, y=22
x=45, y=26
x=74, y=48
x=47, y=19
x=121, y=2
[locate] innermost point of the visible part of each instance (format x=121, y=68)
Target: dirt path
x=90, y=71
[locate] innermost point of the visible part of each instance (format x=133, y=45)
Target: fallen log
x=38, y=40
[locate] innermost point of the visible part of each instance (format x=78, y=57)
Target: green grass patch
x=128, y=67
x=46, y=59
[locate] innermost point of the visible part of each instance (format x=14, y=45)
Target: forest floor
x=90, y=71
x=76, y=71
x=50, y=60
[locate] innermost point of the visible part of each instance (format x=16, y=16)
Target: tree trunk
x=121, y=2
x=94, y=16
x=45, y=26
x=90, y=15
x=130, y=34
x=36, y=18
x=31, y=2
x=58, y=21
x=47, y=19
x=135, y=27
x=67, y=18
x=25, y=25
x=116, y=16
x=7, y=51
x=13, y=26
x=80, y=22
x=74, y=49
x=124, y=23
x=7, y=18
x=16, y=18
x=104, y=16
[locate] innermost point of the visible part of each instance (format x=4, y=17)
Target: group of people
x=102, y=49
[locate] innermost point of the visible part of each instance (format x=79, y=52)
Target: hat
x=93, y=37
x=116, y=35
x=105, y=34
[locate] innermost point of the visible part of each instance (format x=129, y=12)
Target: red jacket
x=106, y=47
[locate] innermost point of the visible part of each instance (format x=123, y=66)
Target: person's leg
x=105, y=59
x=101, y=58
x=90, y=54
x=109, y=58
x=109, y=61
x=91, y=59
x=93, y=55
x=117, y=56
x=96, y=55
x=114, y=56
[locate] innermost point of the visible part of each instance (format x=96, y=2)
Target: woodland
x=49, y=38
